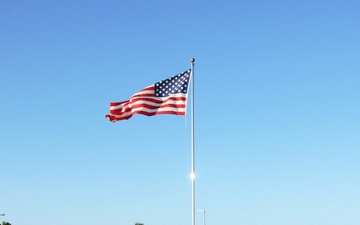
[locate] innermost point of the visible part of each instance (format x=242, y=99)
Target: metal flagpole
x=192, y=60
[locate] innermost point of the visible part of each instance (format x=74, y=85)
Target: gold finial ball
x=192, y=60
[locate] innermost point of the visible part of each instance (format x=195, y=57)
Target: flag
x=164, y=97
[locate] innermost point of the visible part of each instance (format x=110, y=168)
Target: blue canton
x=173, y=85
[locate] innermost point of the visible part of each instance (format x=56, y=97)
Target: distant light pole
x=202, y=211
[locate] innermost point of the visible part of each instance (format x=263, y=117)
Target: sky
x=277, y=113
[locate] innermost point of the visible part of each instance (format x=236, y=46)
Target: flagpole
x=192, y=60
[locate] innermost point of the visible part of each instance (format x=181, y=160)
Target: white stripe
x=149, y=111
x=144, y=92
x=159, y=109
x=125, y=106
x=138, y=95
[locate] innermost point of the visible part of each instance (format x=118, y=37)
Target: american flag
x=164, y=97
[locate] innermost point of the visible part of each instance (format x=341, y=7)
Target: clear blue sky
x=277, y=88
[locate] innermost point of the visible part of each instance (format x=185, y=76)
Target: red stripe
x=157, y=100
x=117, y=103
x=117, y=118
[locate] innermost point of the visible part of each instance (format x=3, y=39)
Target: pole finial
x=192, y=60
